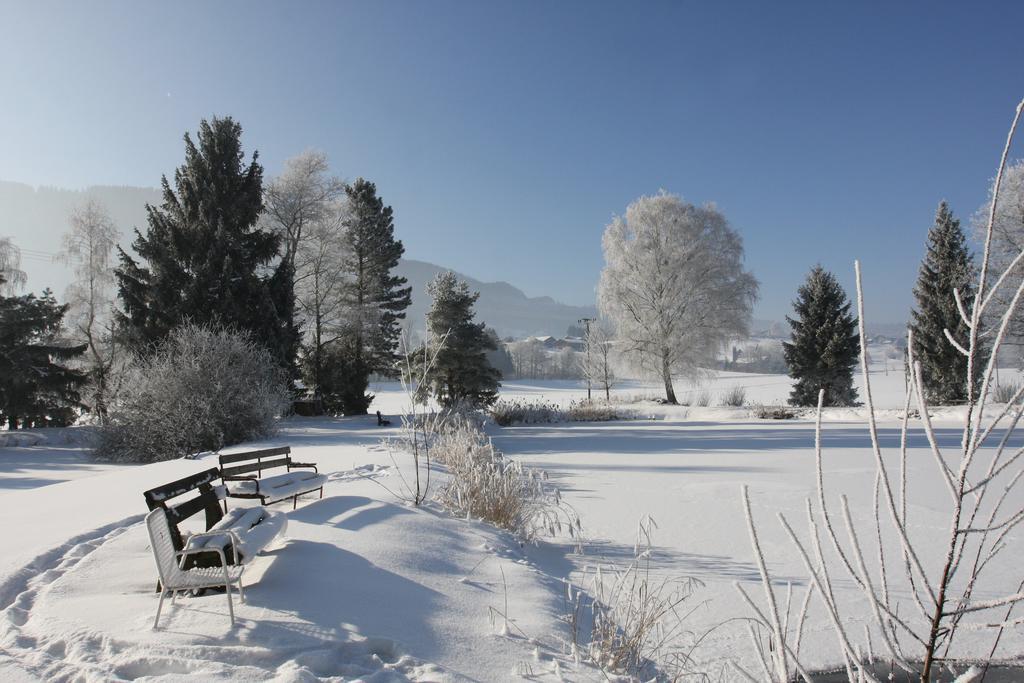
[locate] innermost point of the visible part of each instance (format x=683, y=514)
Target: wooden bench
x=236, y=472
x=245, y=531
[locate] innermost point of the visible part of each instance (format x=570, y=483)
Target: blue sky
x=506, y=136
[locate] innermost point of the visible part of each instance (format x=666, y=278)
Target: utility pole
x=586, y=323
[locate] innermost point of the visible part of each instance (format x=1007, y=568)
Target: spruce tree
x=374, y=301
x=458, y=369
x=36, y=388
x=947, y=266
x=204, y=259
x=824, y=346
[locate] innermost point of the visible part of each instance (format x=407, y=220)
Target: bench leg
x=159, y=606
x=321, y=493
x=295, y=501
x=227, y=589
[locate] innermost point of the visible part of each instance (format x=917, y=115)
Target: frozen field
x=366, y=587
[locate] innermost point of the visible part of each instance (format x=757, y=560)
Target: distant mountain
x=504, y=307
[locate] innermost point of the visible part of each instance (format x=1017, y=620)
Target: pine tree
x=36, y=388
x=205, y=260
x=824, y=346
x=947, y=266
x=459, y=371
x=374, y=301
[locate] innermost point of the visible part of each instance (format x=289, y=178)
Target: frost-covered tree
x=460, y=372
x=674, y=284
x=1007, y=245
x=596, y=361
x=374, y=300
x=38, y=388
x=14, y=278
x=946, y=272
x=823, y=349
x=319, y=283
x=88, y=248
x=303, y=195
x=204, y=258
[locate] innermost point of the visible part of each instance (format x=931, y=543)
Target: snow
x=366, y=587
x=363, y=586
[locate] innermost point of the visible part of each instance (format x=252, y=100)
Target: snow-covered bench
x=237, y=470
x=244, y=531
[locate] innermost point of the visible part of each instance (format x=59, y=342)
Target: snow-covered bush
x=484, y=484
x=1004, y=393
x=202, y=389
x=505, y=412
x=509, y=412
x=773, y=412
x=734, y=397
x=701, y=399
x=595, y=411
x=627, y=621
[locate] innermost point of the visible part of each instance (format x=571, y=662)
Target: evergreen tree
x=458, y=370
x=373, y=299
x=824, y=346
x=500, y=359
x=343, y=384
x=947, y=266
x=36, y=388
x=205, y=260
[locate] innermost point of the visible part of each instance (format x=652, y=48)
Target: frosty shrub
x=628, y=622
x=702, y=399
x=483, y=484
x=1004, y=393
x=505, y=413
x=735, y=397
x=202, y=389
x=637, y=397
x=773, y=412
x=595, y=411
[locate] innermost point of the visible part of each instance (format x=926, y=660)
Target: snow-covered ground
x=367, y=587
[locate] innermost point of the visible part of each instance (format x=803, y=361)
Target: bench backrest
x=207, y=500
x=237, y=464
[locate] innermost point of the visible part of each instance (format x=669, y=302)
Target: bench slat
x=160, y=494
x=180, y=513
x=252, y=455
x=255, y=466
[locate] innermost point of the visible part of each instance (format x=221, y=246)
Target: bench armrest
x=304, y=464
x=235, y=543
x=242, y=478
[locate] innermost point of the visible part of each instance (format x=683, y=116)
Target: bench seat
x=243, y=474
x=256, y=528
x=279, y=486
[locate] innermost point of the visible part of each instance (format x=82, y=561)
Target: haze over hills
x=502, y=306
x=36, y=218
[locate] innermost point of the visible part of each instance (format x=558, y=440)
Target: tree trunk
x=666, y=374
